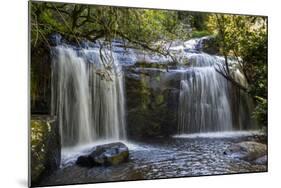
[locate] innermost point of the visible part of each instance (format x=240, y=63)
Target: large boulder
x=249, y=151
x=105, y=155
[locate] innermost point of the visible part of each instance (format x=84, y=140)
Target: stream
x=180, y=156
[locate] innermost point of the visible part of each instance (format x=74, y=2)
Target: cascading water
x=88, y=93
x=88, y=105
x=206, y=102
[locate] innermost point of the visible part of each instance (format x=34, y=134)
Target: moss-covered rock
x=45, y=147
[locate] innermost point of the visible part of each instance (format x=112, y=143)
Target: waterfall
x=88, y=105
x=207, y=101
x=204, y=104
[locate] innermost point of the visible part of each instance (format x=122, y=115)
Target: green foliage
x=195, y=20
x=139, y=26
x=260, y=112
x=245, y=37
x=256, y=56
x=198, y=34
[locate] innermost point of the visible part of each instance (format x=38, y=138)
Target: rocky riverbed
x=185, y=156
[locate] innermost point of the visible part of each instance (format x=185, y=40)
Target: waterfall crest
x=88, y=106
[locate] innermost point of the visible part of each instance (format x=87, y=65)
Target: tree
x=140, y=27
x=245, y=39
x=137, y=28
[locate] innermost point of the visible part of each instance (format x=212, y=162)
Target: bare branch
x=229, y=78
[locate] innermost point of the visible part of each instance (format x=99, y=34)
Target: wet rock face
x=105, y=155
x=250, y=151
x=40, y=81
x=55, y=39
x=210, y=45
x=152, y=101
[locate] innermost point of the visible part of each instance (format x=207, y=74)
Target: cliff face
x=152, y=102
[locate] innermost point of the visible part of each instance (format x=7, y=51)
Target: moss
x=39, y=131
x=45, y=147
x=144, y=92
x=159, y=99
x=115, y=160
x=198, y=34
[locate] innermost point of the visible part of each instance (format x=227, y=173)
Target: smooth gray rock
x=248, y=151
x=261, y=160
x=107, y=155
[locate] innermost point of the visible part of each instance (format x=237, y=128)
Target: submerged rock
x=249, y=151
x=107, y=154
x=261, y=160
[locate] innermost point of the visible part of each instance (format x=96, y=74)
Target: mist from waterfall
x=88, y=105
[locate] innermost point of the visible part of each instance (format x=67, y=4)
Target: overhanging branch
x=229, y=78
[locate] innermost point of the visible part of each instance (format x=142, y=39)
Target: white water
x=206, y=100
x=225, y=134
x=89, y=106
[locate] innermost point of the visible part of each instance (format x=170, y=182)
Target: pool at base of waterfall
x=178, y=156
